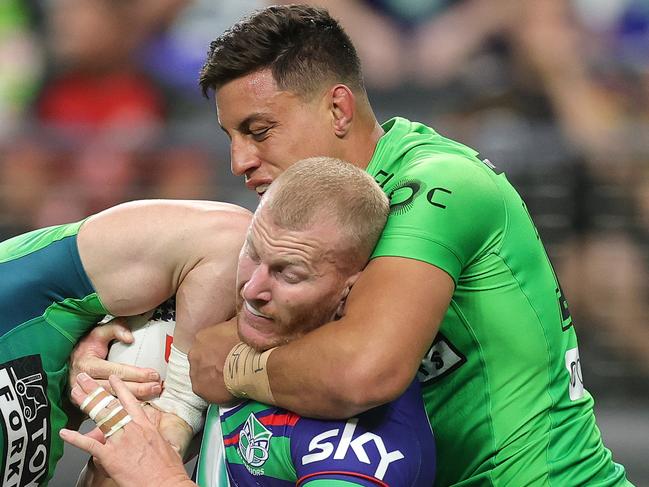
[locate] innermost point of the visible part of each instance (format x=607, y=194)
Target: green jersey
x=47, y=303
x=501, y=382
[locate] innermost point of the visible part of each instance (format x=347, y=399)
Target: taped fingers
x=116, y=419
x=90, y=397
x=106, y=411
x=96, y=401
x=109, y=415
x=130, y=403
x=102, y=407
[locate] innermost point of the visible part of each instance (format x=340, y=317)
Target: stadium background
x=99, y=105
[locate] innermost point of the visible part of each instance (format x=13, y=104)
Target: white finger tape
x=118, y=426
x=91, y=396
x=110, y=415
x=100, y=405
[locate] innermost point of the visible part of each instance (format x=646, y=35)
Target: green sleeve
x=446, y=210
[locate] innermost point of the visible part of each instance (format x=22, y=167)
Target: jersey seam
x=46, y=317
x=507, y=222
x=501, y=197
x=420, y=446
x=291, y=461
x=423, y=237
x=381, y=151
x=30, y=251
x=33, y=321
x=467, y=324
x=548, y=368
x=22, y=325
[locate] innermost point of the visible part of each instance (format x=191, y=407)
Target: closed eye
x=260, y=135
x=290, y=277
x=288, y=274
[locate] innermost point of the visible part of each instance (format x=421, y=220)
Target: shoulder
x=216, y=226
x=160, y=237
x=431, y=167
x=181, y=214
x=177, y=221
x=225, y=216
x=165, y=225
x=169, y=213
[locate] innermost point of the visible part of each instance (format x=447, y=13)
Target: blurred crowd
x=99, y=105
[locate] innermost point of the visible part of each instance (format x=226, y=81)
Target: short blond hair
x=320, y=187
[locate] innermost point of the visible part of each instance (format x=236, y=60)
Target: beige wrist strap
x=245, y=373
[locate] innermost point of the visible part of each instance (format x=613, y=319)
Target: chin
x=253, y=338
x=260, y=345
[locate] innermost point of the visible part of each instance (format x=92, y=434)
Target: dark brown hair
x=303, y=46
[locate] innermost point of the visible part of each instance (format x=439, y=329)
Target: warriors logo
x=254, y=441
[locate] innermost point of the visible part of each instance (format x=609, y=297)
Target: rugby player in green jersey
x=59, y=282
x=459, y=292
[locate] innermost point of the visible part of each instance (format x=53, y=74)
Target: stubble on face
x=283, y=312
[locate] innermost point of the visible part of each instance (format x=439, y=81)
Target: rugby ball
x=153, y=333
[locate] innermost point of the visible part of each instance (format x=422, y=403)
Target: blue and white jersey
x=265, y=445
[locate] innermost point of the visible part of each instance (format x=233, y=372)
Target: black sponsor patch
x=442, y=359
x=25, y=413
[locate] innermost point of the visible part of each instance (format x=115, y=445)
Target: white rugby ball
x=152, y=338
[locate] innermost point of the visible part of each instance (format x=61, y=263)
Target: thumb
x=116, y=329
x=96, y=434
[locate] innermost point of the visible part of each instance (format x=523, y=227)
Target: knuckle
x=143, y=390
x=90, y=368
x=114, y=369
x=94, y=449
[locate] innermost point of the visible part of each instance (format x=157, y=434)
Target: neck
x=362, y=149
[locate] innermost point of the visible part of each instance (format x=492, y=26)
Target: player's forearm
x=367, y=358
x=178, y=397
x=329, y=374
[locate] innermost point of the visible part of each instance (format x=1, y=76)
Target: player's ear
x=349, y=283
x=340, y=311
x=343, y=106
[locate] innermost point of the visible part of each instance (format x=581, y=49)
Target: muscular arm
x=371, y=355
x=139, y=254
x=206, y=296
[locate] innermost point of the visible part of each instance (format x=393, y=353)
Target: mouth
x=254, y=311
x=256, y=328
x=261, y=189
x=257, y=185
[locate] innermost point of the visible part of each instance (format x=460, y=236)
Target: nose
x=258, y=286
x=243, y=156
